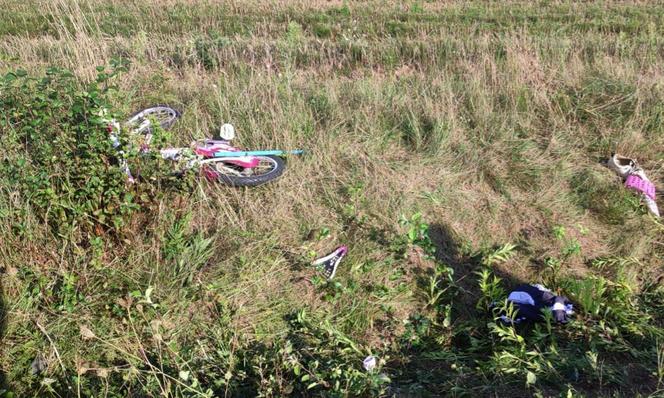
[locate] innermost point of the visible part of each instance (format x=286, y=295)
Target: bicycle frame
x=275, y=152
x=206, y=151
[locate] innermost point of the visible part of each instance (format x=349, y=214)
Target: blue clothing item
x=530, y=300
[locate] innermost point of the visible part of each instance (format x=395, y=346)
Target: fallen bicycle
x=216, y=159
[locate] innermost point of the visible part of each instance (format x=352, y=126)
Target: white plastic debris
x=369, y=363
x=170, y=153
x=227, y=132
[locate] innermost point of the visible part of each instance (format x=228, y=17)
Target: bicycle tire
x=167, y=123
x=254, y=180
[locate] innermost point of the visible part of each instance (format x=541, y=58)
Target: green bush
x=57, y=152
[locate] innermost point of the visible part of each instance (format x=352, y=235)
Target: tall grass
x=489, y=120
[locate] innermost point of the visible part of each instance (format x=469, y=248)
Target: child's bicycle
x=217, y=159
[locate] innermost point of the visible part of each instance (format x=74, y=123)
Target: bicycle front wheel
x=268, y=169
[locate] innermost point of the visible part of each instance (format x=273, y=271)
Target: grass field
x=455, y=148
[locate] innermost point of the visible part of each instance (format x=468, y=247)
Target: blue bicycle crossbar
x=236, y=154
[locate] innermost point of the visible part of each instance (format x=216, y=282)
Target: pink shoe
x=635, y=179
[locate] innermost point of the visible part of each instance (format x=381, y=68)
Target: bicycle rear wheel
x=162, y=114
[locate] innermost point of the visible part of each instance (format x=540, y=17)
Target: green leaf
x=531, y=378
x=9, y=77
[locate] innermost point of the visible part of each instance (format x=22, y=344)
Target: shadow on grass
x=428, y=361
x=465, y=265
x=424, y=365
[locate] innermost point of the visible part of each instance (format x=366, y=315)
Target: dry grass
x=481, y=126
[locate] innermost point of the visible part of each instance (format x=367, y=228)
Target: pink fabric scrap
x=638, y=184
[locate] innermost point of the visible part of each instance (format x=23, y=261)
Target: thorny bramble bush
x=58, y=155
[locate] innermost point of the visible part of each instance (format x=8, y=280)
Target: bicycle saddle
x=330, y=262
